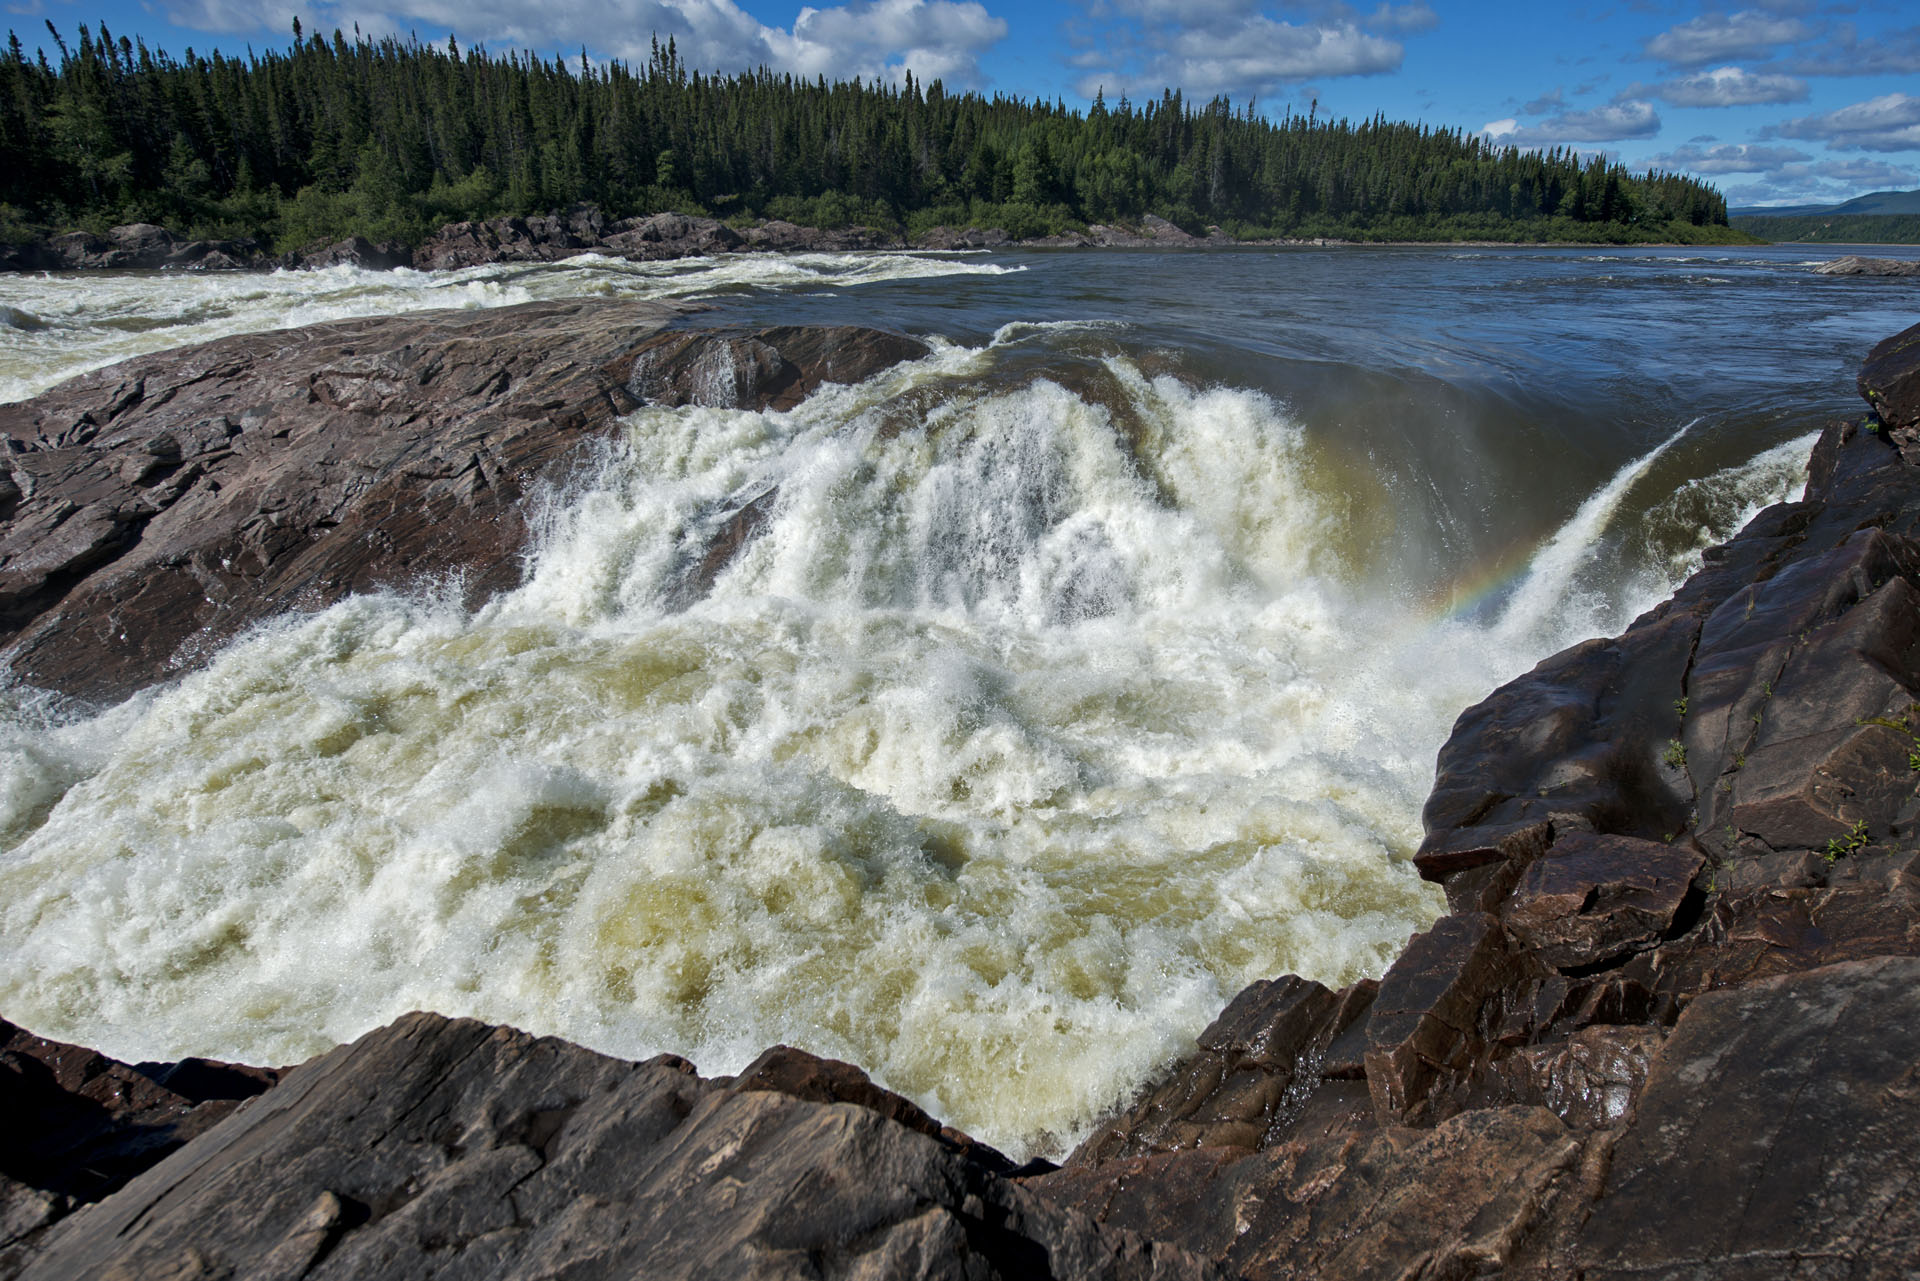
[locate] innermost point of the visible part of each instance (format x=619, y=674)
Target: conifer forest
x=390, y=139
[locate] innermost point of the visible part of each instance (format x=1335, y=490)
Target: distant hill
x=1835, y=229
x=1875, y=202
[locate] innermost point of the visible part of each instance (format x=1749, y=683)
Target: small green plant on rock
x=1676, y=754
x=1855, y=838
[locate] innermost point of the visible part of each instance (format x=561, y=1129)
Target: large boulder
x=354, y=251
x=1854, y=265
x=669, y=235
x=786, y=237
x=145, y=244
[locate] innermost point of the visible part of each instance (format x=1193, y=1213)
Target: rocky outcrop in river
x=153, y=509
x=1670, y=1026
x=1854, y=265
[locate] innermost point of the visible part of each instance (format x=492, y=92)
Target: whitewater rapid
x=1035, y=716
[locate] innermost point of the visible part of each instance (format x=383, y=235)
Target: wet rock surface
x=153, y=509
x=1670, y=1026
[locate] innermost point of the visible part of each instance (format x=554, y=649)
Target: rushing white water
x=1028, y=729
x=1550, y=575
x=1698, y=514
x=53, y=330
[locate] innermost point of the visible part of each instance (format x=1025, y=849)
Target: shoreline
x=652, y=238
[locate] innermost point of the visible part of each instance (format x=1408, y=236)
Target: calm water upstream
x=1087, y=669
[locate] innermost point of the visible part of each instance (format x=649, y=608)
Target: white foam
x=1702, y=510
x=981, y=767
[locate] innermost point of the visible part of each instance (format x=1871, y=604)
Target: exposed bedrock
x=1670, y=1028
x=447, y=1148
x=152, y=509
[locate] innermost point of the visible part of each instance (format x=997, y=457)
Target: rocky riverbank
x=1669, y=1027
x=550, y=238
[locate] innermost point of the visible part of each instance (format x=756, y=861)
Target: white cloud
x=1890, y=122
x=1846, y=52
x=1716, y=37
x=1726, y=87
x=935, y=39
x=1406, y=18
x=1190, y=13
x=1262, y=53
x=1868, y=173
x=1553, y=100
x=1829, y=181
x=1730, y=158
x=236, y=15
x=1238, y=48
x=1613, y=123
x=1253, y=57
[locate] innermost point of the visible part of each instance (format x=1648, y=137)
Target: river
x=1086, y=670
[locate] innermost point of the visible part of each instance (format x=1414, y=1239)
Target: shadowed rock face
x=80, y=1125
x=583, y=228
x=151, y=510
x=1890, y=380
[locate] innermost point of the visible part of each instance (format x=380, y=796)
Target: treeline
x=1837, y=229
x=391, y=139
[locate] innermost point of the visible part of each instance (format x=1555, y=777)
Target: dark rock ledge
x=1670, y=1027
x=150, y=510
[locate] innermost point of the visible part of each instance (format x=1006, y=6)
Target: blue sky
x=1772, y=100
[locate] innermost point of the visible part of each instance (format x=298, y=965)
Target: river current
x=1086, y=670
